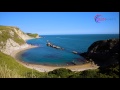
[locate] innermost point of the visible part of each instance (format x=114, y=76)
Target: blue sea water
x=50, y=56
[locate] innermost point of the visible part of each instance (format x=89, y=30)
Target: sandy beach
x=42, y=68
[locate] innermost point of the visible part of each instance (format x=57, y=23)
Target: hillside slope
x=103, y=52
x=10, y=68
x=11, y=39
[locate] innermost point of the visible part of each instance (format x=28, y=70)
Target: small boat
x=74, y=52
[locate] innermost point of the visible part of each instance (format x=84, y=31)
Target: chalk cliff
x=12, y=38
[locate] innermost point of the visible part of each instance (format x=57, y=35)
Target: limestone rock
x=22, y=35
x=11, y=39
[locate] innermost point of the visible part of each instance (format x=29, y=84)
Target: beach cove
x=43, y=68
x=38, y=50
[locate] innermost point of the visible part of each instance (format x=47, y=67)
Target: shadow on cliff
x=103, y=52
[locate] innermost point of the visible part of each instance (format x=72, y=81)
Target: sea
x=46, y=55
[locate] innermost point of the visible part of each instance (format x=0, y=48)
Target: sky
x=56, y=23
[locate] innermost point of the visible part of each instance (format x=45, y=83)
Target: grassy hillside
x=10, y=68
x=7, y=32
x=32, y=35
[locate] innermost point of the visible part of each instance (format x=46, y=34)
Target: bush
x=62, y=72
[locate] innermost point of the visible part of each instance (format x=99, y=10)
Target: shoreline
x=43, y=68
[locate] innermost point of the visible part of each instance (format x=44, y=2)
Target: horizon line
x=77, y=34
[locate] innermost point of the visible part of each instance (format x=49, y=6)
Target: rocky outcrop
x=33, y=35
x=37, y=36
x=74, y=52
x=11, y=46
x=106, y=51
x=54, y=46
x=11, y=39
x=22, y=34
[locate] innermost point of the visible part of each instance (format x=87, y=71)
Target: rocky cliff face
x=37, y=36
x=10, y=46
x=104, y=51
x=11, y=39
x=22, y=34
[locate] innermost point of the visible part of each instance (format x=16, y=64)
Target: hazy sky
x=45, y=23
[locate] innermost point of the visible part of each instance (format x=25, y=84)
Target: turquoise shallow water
x=50, y=56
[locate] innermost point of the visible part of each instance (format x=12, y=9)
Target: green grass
x=5, y=72
x=6, y=35
x=32, y=35
x=9, y=67
x=5, y=27
x=60, y=73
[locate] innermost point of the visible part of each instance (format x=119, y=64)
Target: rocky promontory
x=103, y=52
x=12, y=38
x=33, y=35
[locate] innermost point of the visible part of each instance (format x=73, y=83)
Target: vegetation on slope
x=107, y=72
x=7, y=32
x=32, y=35
x=10, y=68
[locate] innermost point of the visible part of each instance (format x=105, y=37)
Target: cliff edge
x=103, y=52
x=12, y=38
